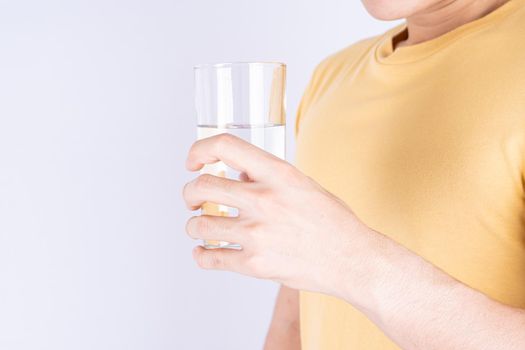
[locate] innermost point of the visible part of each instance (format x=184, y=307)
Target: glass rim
x=238, y=63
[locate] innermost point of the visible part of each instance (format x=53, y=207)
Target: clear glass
x=246, y=99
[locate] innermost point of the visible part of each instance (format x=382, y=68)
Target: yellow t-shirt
x=426, y=144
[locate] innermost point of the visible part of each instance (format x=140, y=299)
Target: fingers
x=217, y=228
x=209, y=188
x=220, y=259
x=236, y=153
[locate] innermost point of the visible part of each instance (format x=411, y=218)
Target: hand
x=291, y=230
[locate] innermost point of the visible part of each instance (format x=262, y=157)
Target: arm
x=294, y=232
x=421, y=307
x=284, y=328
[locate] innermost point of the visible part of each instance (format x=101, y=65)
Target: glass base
x=220, y=244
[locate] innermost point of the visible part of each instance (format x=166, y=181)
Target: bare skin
x=443, y=16
x=284, y=329
x=405, y=287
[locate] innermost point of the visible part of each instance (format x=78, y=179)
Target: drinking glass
x=246, y=99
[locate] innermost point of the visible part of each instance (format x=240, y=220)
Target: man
x=403, y=225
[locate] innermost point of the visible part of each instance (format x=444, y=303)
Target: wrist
x=372, y=270
x=378, y=275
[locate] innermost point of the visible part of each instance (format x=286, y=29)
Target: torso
x=428, y=149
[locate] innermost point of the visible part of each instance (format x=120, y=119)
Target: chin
x=389, y=10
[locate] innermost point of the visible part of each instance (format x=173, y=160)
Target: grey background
x=96, y=116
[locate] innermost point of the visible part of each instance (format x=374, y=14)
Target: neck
x=443, y=17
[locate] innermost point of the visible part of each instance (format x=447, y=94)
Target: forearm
x=283, y=333
x=421, y=307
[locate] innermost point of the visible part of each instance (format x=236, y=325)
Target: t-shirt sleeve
x=326, y=73
x=308, y=96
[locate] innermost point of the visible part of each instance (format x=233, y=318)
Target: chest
x=404, y=159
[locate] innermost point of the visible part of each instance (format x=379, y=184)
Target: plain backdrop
x=96, y=117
